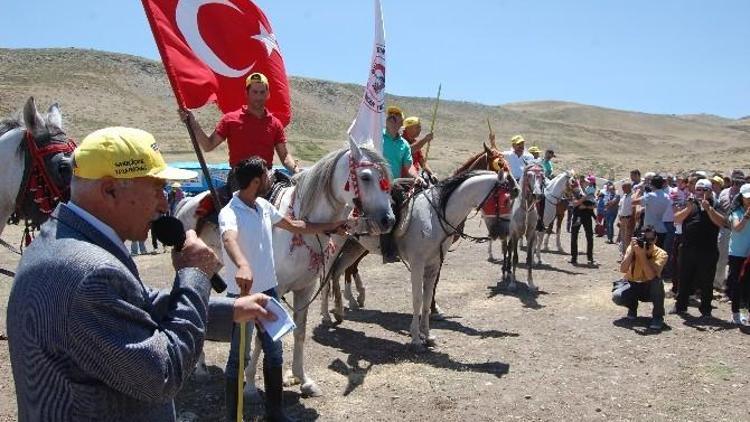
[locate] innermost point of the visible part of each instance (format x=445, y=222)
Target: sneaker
x=657, y=323
x=737, y=319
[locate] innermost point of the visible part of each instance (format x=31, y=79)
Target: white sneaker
x=737, y=319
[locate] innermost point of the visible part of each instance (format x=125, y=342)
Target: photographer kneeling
x=642, y=282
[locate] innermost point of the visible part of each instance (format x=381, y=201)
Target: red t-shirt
x=248, y=135
x=416, y=156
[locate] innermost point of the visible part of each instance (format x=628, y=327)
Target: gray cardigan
x=89, y=341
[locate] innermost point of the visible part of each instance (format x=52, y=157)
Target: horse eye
x=365, y=177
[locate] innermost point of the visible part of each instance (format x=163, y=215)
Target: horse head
x=494, y=159
x=370, y=189
x=533, y=181
x=45, y=131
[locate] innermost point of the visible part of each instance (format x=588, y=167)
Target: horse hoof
x=291, y=380
x=437, y=316
x=417, y=347
x=252, y=395
x=310, y=389
x=361, y=300
x=353, y=305
x=339, y=319
x=326, y=321
x=430, y=341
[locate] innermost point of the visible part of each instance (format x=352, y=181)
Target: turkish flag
x=210, y=46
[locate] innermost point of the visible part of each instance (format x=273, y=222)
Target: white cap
x=703, y=183
x=745, y=190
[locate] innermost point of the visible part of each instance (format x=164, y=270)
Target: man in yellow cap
x=517, y=158
x=81, y=322
x=412, y=129
x=535, y=151
x=249, y=131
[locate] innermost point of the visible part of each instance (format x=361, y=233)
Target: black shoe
x=272, y=380
x=656, y=324
x=632, y=315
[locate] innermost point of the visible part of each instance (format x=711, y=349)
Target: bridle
x=353, y=183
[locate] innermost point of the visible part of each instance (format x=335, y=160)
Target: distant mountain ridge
x=97, y=89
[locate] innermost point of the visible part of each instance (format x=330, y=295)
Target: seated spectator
x=642, y=278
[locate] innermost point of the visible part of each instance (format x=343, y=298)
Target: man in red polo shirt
x=412, y=129
x=250, y=130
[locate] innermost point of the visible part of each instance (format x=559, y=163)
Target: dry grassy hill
x=97, y=89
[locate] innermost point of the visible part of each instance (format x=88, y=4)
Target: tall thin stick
x=432, y=125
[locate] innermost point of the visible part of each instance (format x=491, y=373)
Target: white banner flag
x=367, y=127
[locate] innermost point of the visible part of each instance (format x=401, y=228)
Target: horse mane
x=466, y=165
x=449, y=185
x=318, y=179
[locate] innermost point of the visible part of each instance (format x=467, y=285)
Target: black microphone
x=170, y=231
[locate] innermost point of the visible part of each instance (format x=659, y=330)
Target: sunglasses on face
x=701, y=189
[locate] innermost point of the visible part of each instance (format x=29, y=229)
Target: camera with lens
x=647, y=188
x=641, y=240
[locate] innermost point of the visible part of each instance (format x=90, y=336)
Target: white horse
x=435, y=216
x=553, y=193
x=523, y=220
x=347, y=178
x=43, y=130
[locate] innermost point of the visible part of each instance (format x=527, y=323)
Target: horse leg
x=348, y=275
x=360, y=290
x=308, y=387
x=529, y=261
x=560, y=218
x=201, y=373
x=251, y=390
x=338, y=304
x=538, y=248
x=512, y=262
x=417, y=289
x=429, y=278
x=325, y=315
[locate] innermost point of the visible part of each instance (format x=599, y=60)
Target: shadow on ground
x=527, y=297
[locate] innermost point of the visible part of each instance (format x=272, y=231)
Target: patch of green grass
x=307, y=150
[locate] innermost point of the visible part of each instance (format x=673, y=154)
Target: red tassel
x=346, y=186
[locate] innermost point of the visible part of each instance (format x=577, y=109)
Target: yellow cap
x=256, y=77
x=123, y=153
x=411, y=121
x=718, y=180
x=176, y=185
x=535, y=149
x=395, y=110
x=518, y=139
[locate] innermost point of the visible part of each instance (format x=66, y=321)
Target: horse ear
x=31, y=118
x=487, y=149
x=354, y=149
x=54, y=117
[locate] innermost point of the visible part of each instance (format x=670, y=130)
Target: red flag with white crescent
x=210, y=46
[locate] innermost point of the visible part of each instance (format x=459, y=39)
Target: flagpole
x=204, y=168
x=432, y=125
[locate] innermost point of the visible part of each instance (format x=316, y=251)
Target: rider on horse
x=412, y=129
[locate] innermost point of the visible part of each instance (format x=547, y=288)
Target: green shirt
x=547, y=166
x=397, y=153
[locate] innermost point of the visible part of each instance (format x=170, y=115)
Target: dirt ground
x=564, y=354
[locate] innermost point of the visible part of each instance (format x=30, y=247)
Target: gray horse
x=523, y=221
x=43, y=131
x=434, y=217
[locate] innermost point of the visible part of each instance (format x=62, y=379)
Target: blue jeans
x=272, y=350
x=609, y=224
x=137, y=245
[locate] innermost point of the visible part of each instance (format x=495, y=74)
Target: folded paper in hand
x=283, y=323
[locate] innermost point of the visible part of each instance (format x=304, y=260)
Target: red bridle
x=353, y=182
x=46, y=192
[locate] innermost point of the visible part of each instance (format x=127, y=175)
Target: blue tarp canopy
x=218, y=174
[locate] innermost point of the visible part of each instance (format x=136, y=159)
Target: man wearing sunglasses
x=698, y=251
x=642, y=282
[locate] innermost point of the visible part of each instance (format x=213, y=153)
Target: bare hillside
x=96, y=89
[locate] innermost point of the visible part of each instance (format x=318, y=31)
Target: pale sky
x=669, y=57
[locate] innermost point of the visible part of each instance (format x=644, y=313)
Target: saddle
x=402, y=193
x=498, y=204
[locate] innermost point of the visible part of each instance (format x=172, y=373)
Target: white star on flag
x=268, y=39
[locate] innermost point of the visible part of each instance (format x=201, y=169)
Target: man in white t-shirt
x=246, y=224
x=517, y=158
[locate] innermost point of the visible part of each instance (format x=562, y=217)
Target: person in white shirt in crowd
x=725, y=199
x=625, y=216
x=517, y=158
x=246, y=225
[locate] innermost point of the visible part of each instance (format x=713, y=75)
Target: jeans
x=697, y=269
x=585, y=217
x=137, y=245
x=738, y=288
x=644, y=291
x=720, y=278
x=609, y=224
x=272, y=351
